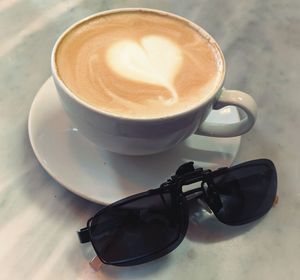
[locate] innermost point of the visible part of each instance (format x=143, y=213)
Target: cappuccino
x=139, y=64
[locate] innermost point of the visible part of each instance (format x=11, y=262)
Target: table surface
x=38, y=217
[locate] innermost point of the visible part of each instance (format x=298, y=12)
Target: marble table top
x=39, y=218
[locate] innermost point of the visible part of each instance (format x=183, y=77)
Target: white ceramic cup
x=148, y=136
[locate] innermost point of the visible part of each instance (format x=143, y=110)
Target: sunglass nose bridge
x=188, y=174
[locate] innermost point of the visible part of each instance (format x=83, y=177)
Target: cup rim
x=85, y=104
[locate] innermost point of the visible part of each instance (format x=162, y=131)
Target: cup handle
x=236, y=98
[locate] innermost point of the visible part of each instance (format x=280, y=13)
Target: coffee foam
x=139, y=64
x=142, y=61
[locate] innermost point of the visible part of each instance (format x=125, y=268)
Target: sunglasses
x=151, y=224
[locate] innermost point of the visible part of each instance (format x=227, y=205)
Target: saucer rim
x=38, y=156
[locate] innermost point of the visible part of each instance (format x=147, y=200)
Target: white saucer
x=104, y=177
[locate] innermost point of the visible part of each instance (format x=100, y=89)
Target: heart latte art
x=154, y=60
x=139, y=64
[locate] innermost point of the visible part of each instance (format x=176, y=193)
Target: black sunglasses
x=148, y=225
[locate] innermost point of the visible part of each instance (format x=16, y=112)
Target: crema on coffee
x=139, y=64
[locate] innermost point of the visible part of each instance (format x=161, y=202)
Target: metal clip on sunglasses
x=151, y=224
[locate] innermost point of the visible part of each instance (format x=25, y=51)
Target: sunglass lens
x=246, y=191
x=127, y=233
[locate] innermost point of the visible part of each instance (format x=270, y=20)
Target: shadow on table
x=138, y=271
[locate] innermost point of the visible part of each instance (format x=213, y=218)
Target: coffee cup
x=126, y=95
